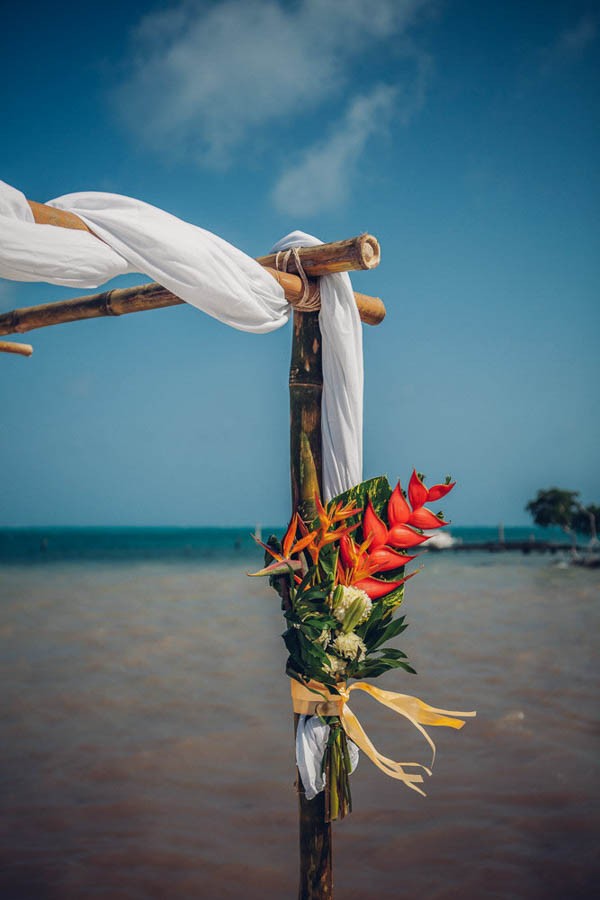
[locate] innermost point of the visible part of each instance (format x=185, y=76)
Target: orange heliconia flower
x=288, y=547
x=326, y=533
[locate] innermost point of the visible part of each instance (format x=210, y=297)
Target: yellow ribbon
x=315, y=699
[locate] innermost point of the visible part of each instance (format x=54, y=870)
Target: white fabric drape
x=205, y=271
x=219, y=279
x=342, y=354
x=311, y=740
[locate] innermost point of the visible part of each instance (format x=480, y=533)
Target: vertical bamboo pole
x=306, y=386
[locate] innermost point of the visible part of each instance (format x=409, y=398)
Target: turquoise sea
x=146, y=732
x=203, y=544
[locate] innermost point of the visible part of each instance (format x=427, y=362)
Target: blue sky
x=463, y=135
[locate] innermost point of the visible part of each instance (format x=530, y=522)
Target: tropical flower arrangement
x=341, y=578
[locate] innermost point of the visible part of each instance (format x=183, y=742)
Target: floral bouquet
x=341, y=579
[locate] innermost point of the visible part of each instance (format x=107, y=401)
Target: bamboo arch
x=361, y=252
x=305, y=385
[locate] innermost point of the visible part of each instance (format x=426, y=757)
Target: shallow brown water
x=146, y=738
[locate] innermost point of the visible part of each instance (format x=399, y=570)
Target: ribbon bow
x=305, y=701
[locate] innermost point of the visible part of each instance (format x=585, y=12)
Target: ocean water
x=146, y=733
x=43, y=545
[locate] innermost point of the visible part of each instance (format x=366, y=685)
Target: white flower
x=324, y=638
x=351, y=606
x=350, y=646
x=335, y=666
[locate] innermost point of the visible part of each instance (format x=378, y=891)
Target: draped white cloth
x=205, y=271
x=212, y=275
x=311, y=740
x=342, y=403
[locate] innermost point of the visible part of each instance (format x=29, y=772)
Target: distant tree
x=587, y=521
x=554, y=507
x=563, y=508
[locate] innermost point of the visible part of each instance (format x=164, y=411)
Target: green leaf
x=392, y=653
x=394, y=598
x=328, y=560
x=396, y=627
x=274, y=542
x=319, y=592
x=307, y=580
x=373, y=623
x=321, y=622
x=378, y=489
x=375, y=667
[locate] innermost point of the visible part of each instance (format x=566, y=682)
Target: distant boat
x=440, y=540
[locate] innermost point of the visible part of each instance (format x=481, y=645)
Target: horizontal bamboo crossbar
x=49, y=215
x=118, y=302
x=13, y=347
x=361, y=252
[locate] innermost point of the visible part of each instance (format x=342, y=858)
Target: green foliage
x=279, y=583
x=587, y=519
x=386, y=660
x=308, y=606
x=386, y=632
x=554, y=507
x=329, y=562
x=378, y=489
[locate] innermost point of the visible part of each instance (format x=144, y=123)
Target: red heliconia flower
x=398, y=510
x=403, y=537
x=377, y=589
x=417, y=492
x=399, y=535
x=379, y=550
x=385, y=559
x=358, y=563
x=424, y=518
x=373, y=527
x=438, y=491
x=400, y=513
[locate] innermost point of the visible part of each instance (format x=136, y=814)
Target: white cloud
x=321, y=178
x=206, y=79
x=574, y=41
x=571, y=43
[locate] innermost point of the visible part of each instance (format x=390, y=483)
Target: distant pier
x=524, y=546
x=583, y=555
